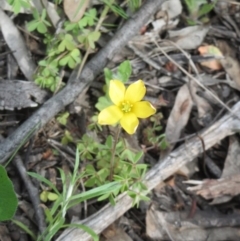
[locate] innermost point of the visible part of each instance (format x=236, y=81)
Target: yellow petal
x=129, y=123
x=143, y=109
x=116, y=91
x=109, y=116
x=135, y=92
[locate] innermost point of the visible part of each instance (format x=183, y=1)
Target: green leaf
x=49, y=217
x=138, y=156
x=124, y=71
x=90, y=182
x=96, y=192
x=63, y=61
x=44, y=14
x=92, y=38
x=18, y=4
x=44, y=180
x=85, y=228
x=108, y=74
x=52, y=196
x=32, y=25
x=116, y=9
x=75, y=55
x=104, y=197
x=192, y=5
x=109, y=142
x=103, y=102
x=67, y=138
x=8, y=198
x=62, y=118
x=164, y=144
x=41, y=28
x=71, y=63
x=88, y=19
x=67, y=43
x=134, y=4
x=90, y=169
x=44, y=196
x=55, y=228
x=206, y=8
x=25, y=228
x=112, y=200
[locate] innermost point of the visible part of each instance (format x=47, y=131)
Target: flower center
x=126, y=106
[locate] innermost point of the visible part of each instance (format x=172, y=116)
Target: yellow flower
x=127, y=107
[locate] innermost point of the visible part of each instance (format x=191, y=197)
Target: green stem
x=112, y=162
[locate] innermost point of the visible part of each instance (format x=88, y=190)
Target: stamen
x=126, y=106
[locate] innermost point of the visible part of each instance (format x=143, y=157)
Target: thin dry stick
x=32, y=191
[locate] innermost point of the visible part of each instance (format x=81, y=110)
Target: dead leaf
x=210, y=50
x=230, y=62
x=113, y=233
x=75, y=9
x=203, y=106
x=179, y=115
x=232, y=67
x=189, y=37
x=169, y=11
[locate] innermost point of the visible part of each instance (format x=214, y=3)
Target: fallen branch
x=226, y=126
x=77, y=85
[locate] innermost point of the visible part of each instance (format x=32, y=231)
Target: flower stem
x=112, y=162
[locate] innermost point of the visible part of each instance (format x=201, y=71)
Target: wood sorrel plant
x=118, y=163
x=114, y=160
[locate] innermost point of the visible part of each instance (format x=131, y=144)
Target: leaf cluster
x=56, y=215
x=152, y=133
x=127, y=171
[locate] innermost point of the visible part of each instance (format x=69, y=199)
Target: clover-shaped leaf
x=88, y=19
x=39, y=23
x=75, y=54
x=18, y=4
x=67, y=43
x=89, y=38
x=92, y=38
x=71, y=59
x=8, y=198
x=48, y=196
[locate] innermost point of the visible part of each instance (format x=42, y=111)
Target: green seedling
x=17, y=5
x=39, y=23
x=198, y=9
x=62, y=201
